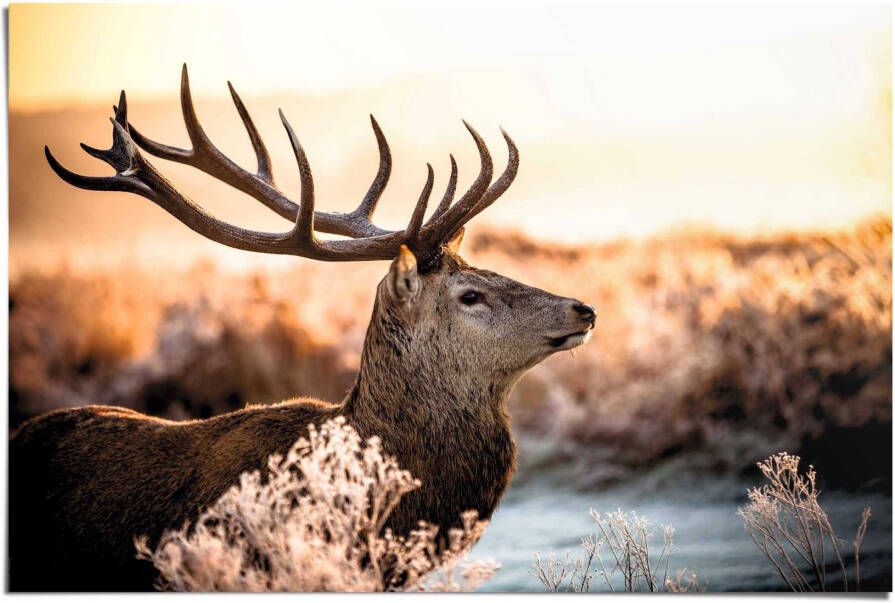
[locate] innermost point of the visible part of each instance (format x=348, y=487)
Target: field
x=730, y=347
x=716, y=182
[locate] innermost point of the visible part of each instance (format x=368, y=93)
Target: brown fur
x=434, y=377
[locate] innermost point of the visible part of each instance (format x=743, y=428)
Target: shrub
x=787, y=523
x=624, y=540
x=316, y=522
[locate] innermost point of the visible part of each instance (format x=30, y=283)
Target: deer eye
x=471, y=297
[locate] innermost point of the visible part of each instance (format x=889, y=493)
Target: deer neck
x=451, y=430
x=405, y=383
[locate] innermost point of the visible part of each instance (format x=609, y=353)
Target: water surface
x=549, y=513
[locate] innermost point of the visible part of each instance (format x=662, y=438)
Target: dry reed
x=788, y=524
x=620, y=549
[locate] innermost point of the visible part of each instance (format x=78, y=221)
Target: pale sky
x=61, y=53
x=743, y=117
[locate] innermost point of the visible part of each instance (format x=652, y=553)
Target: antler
x=134, y=174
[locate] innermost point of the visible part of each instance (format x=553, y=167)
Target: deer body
x=445, y=345
x=75, y=521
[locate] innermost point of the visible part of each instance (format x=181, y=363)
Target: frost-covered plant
x=621, y=547
x=787, y=523
x=684, y=582
x=316, y=522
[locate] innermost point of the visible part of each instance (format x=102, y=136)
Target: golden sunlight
x=630, y=120
x=691, y=272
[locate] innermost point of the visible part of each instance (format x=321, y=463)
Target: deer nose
x=586, y=312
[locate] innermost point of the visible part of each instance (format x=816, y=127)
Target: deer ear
x=454, y=244
x=403, y=280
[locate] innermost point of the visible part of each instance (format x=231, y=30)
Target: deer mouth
x=567, y=342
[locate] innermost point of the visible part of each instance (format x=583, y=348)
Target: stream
x=548, y=513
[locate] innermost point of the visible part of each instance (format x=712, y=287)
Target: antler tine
x=499, y=186
x=412, y=232
x=95, y=183
x=440, y=227
x=194, y=129
x=368, y=204
x=448, y=193
x=163, y=151
x=304, y=223
x=110, y=155
x=265, y=171
x=102, y=154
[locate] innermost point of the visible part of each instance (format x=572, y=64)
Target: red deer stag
x=445, y=345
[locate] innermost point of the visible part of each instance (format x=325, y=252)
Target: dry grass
x=148, y=341
x=620, y=549
x=788, y=524
x=315, y=522
x=723, y=344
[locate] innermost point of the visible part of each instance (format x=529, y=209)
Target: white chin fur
x=574, y=341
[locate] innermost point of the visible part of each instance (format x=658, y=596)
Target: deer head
x=435, y=315
x=467, y=330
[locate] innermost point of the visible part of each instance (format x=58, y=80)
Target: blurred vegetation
x=726, y=345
